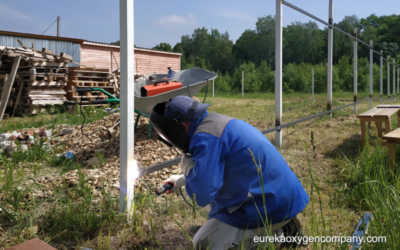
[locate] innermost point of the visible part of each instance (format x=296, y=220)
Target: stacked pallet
x=36, y=78
x=80, y=77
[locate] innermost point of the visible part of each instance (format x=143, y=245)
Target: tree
x=163, y=47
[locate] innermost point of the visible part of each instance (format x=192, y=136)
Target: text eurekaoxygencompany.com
x=319, y=239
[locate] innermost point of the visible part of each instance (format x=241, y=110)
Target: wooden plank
x=18, y=97
x=369, y=113
x=47, y=51
x=387, y=112
x=8, y=86
x=393, y=135
x=66, y=56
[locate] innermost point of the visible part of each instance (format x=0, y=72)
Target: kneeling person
x=219, y=170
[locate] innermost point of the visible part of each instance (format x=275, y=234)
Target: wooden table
x=379, y=116
x=392, y=139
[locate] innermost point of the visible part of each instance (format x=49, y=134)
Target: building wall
x=147, y=62
x=70, y=48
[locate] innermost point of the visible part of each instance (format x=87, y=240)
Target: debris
x=67, y=131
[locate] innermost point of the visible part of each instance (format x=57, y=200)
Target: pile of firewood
x=31, y=79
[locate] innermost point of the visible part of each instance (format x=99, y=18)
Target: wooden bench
x=379, y=116
x=391, y=139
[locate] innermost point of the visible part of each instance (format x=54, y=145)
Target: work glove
x=187, y=163
x=177, y=180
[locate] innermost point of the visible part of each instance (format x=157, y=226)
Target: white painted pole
x=371, y=63
x=381, y=75
x=330, y=58
x=278, y=72
x=355, y=73
x=213, y=88
x=242, y=84
x=398, y=91
x=388, y=78
x=128, y=166
x=312, y=84
x=394, y=80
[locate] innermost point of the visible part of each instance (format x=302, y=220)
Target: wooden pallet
x=42, y=77
x=44, y=101
x=89, y=84
x=46, y=83
x=30, y=64
x=43, y=70
x=87, y=70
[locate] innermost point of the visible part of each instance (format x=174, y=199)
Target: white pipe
x=312, y=84
x=330, y=53
x=388, y=78
x=398, y=91
x=355, y=73
x=278, y=72
x=128, y=166
x=242, y=84
x=381, y=74
x=394, y=80
x=371, y=62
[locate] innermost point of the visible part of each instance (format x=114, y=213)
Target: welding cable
x=84, y=119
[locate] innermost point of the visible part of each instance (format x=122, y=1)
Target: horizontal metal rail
x=323, y=22
x=154, y=168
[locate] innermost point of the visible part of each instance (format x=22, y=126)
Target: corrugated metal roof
x=12, y=33
x=138, y=48
x=20, y=34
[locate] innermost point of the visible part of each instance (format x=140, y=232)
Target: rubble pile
x=25, y=139
x=100, y=170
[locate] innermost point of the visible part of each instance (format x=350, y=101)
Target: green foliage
x=163, y=47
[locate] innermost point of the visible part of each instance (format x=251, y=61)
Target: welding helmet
x=167, y=118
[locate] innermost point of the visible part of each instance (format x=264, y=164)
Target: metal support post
x=394, y=80
x=278, y=72
x=312, y=84
x=242, y=84
x=388, y=77
x=381, y=75
x=213, y=88
x=371, y=62
x=128, y=166
x=58, y=25
x=355, y=73
x=330, y=53
x=398, y=91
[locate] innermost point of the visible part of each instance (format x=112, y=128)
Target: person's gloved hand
x=177, y=180
x=187, y=163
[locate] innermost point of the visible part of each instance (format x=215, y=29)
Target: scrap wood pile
x=31, y=78
x=105, y=171
x=115, y=79
x=87, y=77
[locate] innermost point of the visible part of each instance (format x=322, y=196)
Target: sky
x=157, y=21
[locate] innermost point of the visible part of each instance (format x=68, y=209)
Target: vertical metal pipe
x=213, y=88
x=388, y=77
x=398, y=91
x=394, y=80
x=58, y=25
x=278, y=72
x=312, y=84
x=330, y=58
x=128, y=166
x=371, y=62
x=355, y=73
x=381, y=74
x=242, y=84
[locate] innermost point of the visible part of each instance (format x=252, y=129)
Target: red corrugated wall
x=147, y=62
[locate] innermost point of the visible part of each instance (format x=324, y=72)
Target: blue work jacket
x=225, y=176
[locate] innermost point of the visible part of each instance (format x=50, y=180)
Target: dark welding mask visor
x=170, y=129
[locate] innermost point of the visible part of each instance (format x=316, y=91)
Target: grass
x=342, y=180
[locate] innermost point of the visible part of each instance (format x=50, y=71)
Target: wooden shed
x=147, y=61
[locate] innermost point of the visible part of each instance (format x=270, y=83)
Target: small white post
x=242, y=84
x=398, y=91
x=128, y=167
x=278, y=72
x=213, y=88
x=330, y=53
x=355, y=73
x=394, y=80
x=388, y=77
x=371, y=62
x=381, y=75
x=312, y=84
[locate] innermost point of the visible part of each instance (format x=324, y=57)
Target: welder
x=242, y=199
